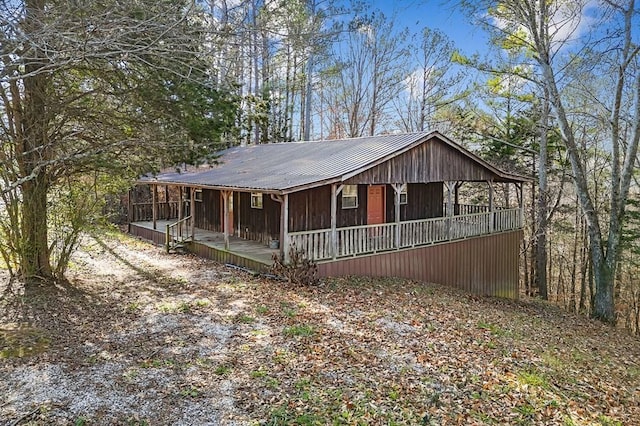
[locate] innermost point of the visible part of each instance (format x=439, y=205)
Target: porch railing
x=177, y=233
x=355, y=240
x=164, y=211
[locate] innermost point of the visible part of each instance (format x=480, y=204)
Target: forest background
x=96, y=93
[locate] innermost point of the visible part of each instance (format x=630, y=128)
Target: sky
x=438, y=14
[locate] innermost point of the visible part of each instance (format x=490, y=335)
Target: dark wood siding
x=423, y=201
x=431, y=161
x=483, y=265
x=311, y=209
x=208, y=211
x=256, y=224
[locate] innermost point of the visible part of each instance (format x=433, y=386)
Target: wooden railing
x=365, y=239
x=164, y=211
x=177, y=233
x=356, y=240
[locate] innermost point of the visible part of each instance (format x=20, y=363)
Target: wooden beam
x=180, y=209
x=491, y=206
x=334, y=220
x=285, y=228
x=130, y=207
x=192, y=212
x=225, y=218
x=154, y=207
x=397, y=189
x=450, y=184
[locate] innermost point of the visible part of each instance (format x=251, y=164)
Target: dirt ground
x=139, y=337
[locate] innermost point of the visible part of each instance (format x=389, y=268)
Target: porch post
x=335, y=191
x=450, y=186
x=491, y=207
x=284, y=220
x=225, y=218
x=456, y=200
x=180, y=208
x=192, y=211
x=154, y=201
x=129, y=207
x=520, y=195
x=397, y=189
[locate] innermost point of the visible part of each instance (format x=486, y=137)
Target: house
x=380, y=205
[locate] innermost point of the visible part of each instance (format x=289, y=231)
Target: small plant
x=302, y=330
x=532, y=378
x=262, y=309
x=256, y=374
x=245, y=319
x=190, y=392
x=222, y=370
x=133, y=307
x=299, y=270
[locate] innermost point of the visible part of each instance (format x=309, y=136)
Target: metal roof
x=287, y=167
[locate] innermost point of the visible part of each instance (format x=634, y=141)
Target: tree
x=550, y=34
x=367, y=75
x=431, y=85
x=94, y=88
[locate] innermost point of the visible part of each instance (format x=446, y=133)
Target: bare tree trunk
x=543, y=203
x=35, y=263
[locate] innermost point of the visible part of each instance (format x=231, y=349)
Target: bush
x=299, y=270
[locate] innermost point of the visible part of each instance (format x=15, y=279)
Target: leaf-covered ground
x=141, y=337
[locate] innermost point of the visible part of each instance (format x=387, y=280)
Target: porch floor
x=245, y=248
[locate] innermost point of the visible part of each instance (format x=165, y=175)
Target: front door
x=375, y=204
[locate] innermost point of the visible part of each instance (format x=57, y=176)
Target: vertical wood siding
x=482, y=265
x=256, y=224
x=208, y=211
x=431, y=161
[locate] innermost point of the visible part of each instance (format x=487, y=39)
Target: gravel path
x=136, y=337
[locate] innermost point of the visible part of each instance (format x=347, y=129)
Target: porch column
x=456, y=200
x=180, y=209
x=520, y=195
x=225, y=218
x=130, y=207
x=397, y=189
x=284, y=226
x=154, y=207
x=450, y=188
x=192, y=210
x=491, y=207
x=335, y=192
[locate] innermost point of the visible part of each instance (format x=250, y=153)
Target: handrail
x=355, y=240
x=174, y=232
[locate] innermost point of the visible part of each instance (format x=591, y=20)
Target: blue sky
x=439, y=14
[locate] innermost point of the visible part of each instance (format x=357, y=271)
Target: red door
x=375, y=205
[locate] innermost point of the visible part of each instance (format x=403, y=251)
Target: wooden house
x=381, y=205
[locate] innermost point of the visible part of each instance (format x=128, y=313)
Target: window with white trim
x=403, y=195
x=350, y=196
x=256, y=200
x=198, y=195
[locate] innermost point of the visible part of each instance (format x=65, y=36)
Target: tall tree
x=95, y=87
x=555, y=38
x=432, y=85
x=367, y=75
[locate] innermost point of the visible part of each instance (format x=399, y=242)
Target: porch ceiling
x=294, y=166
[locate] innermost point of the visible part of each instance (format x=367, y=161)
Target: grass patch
x=301, y=330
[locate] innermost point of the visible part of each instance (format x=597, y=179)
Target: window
x=198, y=195
x=350, y=197
x=256, y=200
x=403, y=195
